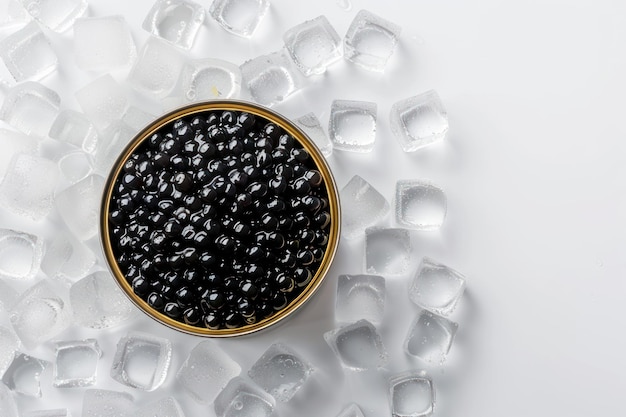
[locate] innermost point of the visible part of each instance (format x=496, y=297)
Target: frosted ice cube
x=76, y=363
x=387, y=251
x=280, y=371
x=79, y=206
x=370, y=41
x=420, y=205
x=98, y=303
x=58, y=412
x=31, y=108
x=165, y=407
x=39, y=314
x=176, y=21
x=103, y=43
x=430, y=337
x=104, y=100
x=22, y=376
x=136, y=118
x=157, y=69
x=74, y=128
x=75, y=166
x=241, y=398
x=141, y=361
x=8, y=407
x=352, y=125
x=362, y=206
x=411, y=395
x=7, y=297
x=28, y=186
x=313, y=45
x=67, y=259
x=105, y=403
x=358, y=346
x=270, y=78
x=207, y=79
x=114, y=139
x=436, y=287
x=311, y=126
x=12, y=13
x=352, y=410
x=20, y=254
x=240, y=17
x=58, y=15
x=9, y=344
x=360, y=297
x=419, y=121
x=206, y=371
x=13, y=143
x=27, y=53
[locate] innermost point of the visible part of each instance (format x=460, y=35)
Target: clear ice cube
x=74, y=128
x=27, y=53
x=360, y=297
x=206, y=79
x=8, y=407
x=79, y=206
x=67, y=259
x=20, y=254
x=436, y=287
x=13, y=143
x=370, y=41
x=352, y=125
x=76, y=362
x=420, y=205
x=362, y=206
x=241, y=398
x=165, y=407
x=57, y=412
x=58, y=15
x=240, y=17
x=98, y=303
x=280, y=371
x=176, y=21
x=9, y=344
x=114, y=139
x=358, y=346
x=8, y=295
x=430, y=337
x=105, y=403
x=352, y=410
x=270, y=78
x=22, y=376
x=206, y=371
x=387, y=251
x=419, y=121
x=411, y=395
x=12, y=13
x=136, y=118
x=103, y=43
x=31, y=108
x=75, y=166
x=141, y=361
x=311, y=126
x=103, y=100
x=28, y=186
x=313, y=45
x=157, y=69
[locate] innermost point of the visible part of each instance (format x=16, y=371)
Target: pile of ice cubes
x=57, y=301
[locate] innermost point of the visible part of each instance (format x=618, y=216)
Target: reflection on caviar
x=219, y=220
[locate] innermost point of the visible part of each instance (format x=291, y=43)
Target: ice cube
x=79, y=206
x=362, y=206
x=27, y=53
x=67, y=259
x=387, y=251
x=8, y=407
x=430, y=337
x=420, y=205
x=8, y=295
x=13, y=143
x=74, y=128
x=411, y=395
x=22, y=376
x=270, y=78
x=28, y=187
x=352, y=410
x=103, y=43
x=206, y=79
x=370, y=41
x=58, y=412
x=104, y=100
x=176, y=21
x=105, y=403
x=136, y=118
x=12, y=13
x=39, y=314
x=419, y=121
x=98, y=303
x=9, y=344
x=20, y=254
x=313, y=45
x=114, y=139
x=206, y=371
x=165, y=407
x=76, y=363
x=58, y=15
x=360, y=297
x=352, y=125
x=436, y=287
x=240, y=17
x=157, y=69
x=311, y=126
x=358, y=346
x=280, y=371
x=141, y=361
x=241, y=398
x=75, y=166
x=31, y=108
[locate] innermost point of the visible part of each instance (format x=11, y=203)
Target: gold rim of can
x=270, y=116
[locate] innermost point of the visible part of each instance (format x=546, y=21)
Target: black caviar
x=219, y=220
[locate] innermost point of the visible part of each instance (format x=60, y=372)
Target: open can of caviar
x=220, y=219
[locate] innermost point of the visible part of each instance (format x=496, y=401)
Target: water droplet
x=237, y=405
x=346, y=5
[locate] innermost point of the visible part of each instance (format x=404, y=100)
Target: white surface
x=535, y=172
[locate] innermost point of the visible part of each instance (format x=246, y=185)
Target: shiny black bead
x=257, y=190
x=322, y=219
x=212, y=320
x=208, y=260
x=173, y=311
x=140, y=285
x=232, y=320
x=305, y=257
x=192, y=316
x=301, y=220
x=155, y=300
x=302, y=276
